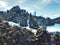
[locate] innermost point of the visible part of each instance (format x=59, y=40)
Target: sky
x=45, y=8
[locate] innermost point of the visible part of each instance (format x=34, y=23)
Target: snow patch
x=54, y=28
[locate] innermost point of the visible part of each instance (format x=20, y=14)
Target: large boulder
x=44, y=38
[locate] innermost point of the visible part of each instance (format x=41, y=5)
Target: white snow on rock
x=12, y=24
x=54, y=28
x=33, y=30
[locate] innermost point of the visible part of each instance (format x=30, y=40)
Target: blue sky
x=45, y=8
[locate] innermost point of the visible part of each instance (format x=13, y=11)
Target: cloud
x=50, y=1
x=4, y=5
x=28, y=9
x=40, y=4
x=57, y=1
x=36, y=6
x=56, y=15
x=46, y=1
x=22, y=1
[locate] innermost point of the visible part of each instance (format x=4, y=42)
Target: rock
x=57, y=20
x=40, y=20
x=15, y=9
x=49, y=22
x=33, y=22
x=18, y=15
x=23, y=22
x=44, y=38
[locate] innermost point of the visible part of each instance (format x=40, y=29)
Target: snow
x=33, y=30
x=54, y=28
x=12, y=24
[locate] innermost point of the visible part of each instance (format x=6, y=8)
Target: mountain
x=40, y=20
x=21, y=16
x=33, y=23
x=49, y=22
x=15, y=9
x=57, y=20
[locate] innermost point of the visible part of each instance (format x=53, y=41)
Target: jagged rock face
x=23, y=22
x=49, y=22
x=21, y=16
x=40, y=20
x=16, y=15
x=16, y=9
x=57, y=20
x=23, y=19
x=33, y=23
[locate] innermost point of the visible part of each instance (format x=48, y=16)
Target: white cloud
x=4, y=5
x=46, y=1
x=41, y=3
x=28, y=9
x=37, y=6
x=56, y=15
x=50, y=1
x=22, y=1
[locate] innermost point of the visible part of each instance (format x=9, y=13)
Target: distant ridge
x=18, y=15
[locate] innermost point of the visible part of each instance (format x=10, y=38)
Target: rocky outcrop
x=21, y=16
x=15, y=9
x=33, y=23
x=23, y=22
x=40, y=20
x=17, y=15
x=15, y=35
x=44, y=38
x=22, y=36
